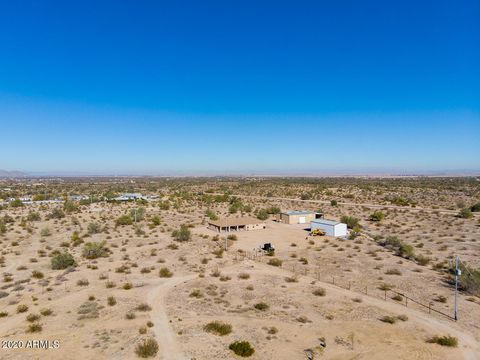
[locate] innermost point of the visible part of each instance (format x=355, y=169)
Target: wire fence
x=385, y=294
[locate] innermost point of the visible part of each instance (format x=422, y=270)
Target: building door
x=302, y=220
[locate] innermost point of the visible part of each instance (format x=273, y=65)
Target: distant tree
x=62, y=261
x=124, y=220
x=16, y=203
x=377, y=216
x=465, y=213
x=475, y=207
x=350, y=221
x=70, y=207
x=262, y=214
x=56, y=213
x=182, y=234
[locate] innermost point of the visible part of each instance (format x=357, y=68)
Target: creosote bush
x=165, y=273
x=95, y=250
x=147, y=348
x=242, y=348
x=218, y=328
x=62, y=261
x=446, y=340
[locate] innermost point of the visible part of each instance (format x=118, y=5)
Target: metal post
x=457, y=272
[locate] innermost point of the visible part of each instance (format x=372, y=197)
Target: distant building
x=129, y=196
x=236, y=224
x=331, y=227
x=298, y=217
x=78, y=197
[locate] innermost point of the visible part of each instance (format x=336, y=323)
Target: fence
x=303, y=270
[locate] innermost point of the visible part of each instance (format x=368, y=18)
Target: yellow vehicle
x=318, y=232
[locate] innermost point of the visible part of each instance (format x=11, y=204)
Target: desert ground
x=103, y=277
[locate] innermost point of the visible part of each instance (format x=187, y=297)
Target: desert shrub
x=138, y=214
x=196, y=294
x=273, y=210
x=37, y=274
x=475, y=207
x=211, y=215
x=111, y=301
x=444, y=340
x=143, y=307
x=393, y=272
x=16, y=203
x=242, y=348
x=94, y=228
x=333, y=202
x=262, y=214
x=124, y=220
x=130, y=315
x=275, y=262
x=45, y=232
x=319, y=292
x=232, y=237
x=127, y=286
x=402, y=317
x=351, y=221
x=469, y=279
x=440, y=299
x=94, y=250
x=32, y=317
x=397, y=297
x=244, y=276
x=377, y=216
x=261, y=306
x=46, y=312
x=3, y=314
x=62, y=261
x=182, y=234
x=165, y=273
x=33, y=216
x=400, y=248
x=388, y=319
x=147, y=348
x=70, y=207
x=56, y=213
x=22, y=308
x=82, y=282
x=218, y=328
x=34, y=328
x=465, y=213
x=422, y=260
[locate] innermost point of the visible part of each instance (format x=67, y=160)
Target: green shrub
x=22, y=308
x=319, y=292
x=94, y=250
x=275, y=262
x=56, y=213
x=35, y=327
x=377, y=216
x=124, y=220
x=262, y=214
x=165, y=273
x=182, y=234
x=242, y=348
x=218, y=328
x=62, y=261
x=147, y=348
x=444, y=340
x=388, y=319
x=351, y=221
x=94, y=228
x=475, y=207
x=261, y=306
x=465, y=213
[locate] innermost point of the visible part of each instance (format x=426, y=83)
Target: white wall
x=331, y=230
x=341, y=229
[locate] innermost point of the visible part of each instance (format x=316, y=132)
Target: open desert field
x=114, y=279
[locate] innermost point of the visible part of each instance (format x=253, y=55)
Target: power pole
x=458, y=272
x=226, y=239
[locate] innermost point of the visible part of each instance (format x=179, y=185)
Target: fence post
x=406, y=301
x=366, y=290
x=349, y=285
x=333, y=280
x=385, y=294
x=429, y=307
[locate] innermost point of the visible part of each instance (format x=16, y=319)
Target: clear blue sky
x=204, y=87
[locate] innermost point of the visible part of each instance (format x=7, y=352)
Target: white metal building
x=331, y=228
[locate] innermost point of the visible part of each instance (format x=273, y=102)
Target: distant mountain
x=11, y=174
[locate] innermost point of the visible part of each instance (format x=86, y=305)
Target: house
x=298, y=217
x=236, y=224
x=331, y=227
x=129, y=197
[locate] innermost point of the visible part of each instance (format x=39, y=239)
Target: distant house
x=331, y=227
x=129, y=196
x=246, y=223
x=78, y=197
x=298, y=217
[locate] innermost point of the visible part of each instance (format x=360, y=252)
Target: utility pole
x=458, y=272
x=226, y=239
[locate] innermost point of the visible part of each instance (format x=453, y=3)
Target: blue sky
x=239, y=87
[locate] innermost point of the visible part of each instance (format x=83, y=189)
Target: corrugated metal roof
x=299, y=212
x=326, y=222
x=240, y=221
